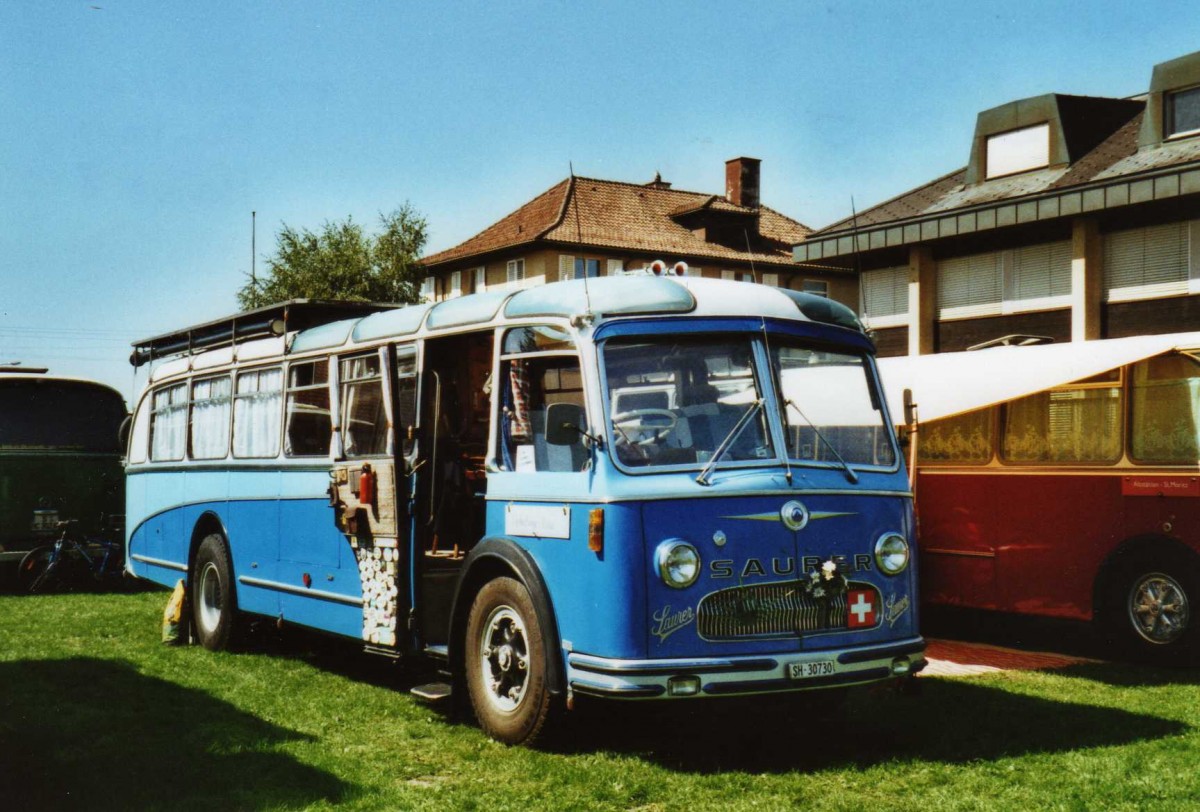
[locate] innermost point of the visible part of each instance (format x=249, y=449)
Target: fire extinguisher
x=366, y=485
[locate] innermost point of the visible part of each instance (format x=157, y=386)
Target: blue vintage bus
x=637, y=487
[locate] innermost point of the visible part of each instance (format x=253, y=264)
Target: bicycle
x=70, y=556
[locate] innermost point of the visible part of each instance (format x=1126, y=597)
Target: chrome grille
x=770, y=610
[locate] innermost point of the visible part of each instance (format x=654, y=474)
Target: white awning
x=951, y=383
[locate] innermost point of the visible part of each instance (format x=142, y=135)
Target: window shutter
x=480, y=279
x=728, y=275
x=885, y=291
x=1146, y=256
x=566, y=267
x=972, y=280
x=771, y=279
x=615, y=267
x=1040, y=271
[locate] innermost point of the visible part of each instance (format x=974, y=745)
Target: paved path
x=952, y=658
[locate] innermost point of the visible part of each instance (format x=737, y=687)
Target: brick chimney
x=741, y=182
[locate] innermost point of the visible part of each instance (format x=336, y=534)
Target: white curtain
x=210, y=418
x=257, y=411
x=168, y=425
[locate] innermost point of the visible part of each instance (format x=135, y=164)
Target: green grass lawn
x=96, y=713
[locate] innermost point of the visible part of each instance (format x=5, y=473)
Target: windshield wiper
x=850, y=474
x=734, y=433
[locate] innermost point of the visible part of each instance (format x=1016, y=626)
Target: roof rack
x=17, y=369
x=273, y=320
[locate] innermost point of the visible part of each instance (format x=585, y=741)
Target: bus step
x=438, y=652
x=390, y=653
x=432, y=692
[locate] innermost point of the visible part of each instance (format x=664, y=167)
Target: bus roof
x=952, y=383
x=324, y=325
x=603, y=297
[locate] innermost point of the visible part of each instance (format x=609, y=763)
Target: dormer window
x=1018, y=150
x=1183, y=112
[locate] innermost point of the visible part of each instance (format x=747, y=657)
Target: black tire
x=34, y=573
x=506, y=664
x=1152, y=606
x=212, y=596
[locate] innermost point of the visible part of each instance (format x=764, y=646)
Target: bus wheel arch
x=1147, y=599
x=212, y=591
x=502, y=590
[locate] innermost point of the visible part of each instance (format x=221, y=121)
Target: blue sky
x=137, y=137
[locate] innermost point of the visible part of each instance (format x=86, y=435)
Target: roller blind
x=977, y=279
x=1040, y=271
x=1146, y=256
x=885, y=291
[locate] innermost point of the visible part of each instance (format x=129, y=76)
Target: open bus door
x=371, y=485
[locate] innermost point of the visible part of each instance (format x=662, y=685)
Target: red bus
x=1063, y=480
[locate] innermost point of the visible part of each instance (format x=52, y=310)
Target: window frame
x=496, y=448
x=1169, y=98
x=258, y=370
x=514, y=271
x=185, y=387
x=1021, y=167
x=382, y=372
x=288, y=390
x=190, y=445
x=1122, y=429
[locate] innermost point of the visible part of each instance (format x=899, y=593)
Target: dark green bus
x=60, y=458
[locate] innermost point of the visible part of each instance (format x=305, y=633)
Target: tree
x=344, y=263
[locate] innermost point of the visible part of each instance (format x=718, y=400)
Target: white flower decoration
x=828, y=569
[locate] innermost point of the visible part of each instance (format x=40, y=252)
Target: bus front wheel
x=1153, y=608
x=214, y=604
x=505, y=663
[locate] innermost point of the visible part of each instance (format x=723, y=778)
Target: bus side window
x=209, y=433
x=168, y=423
x=308, y=425
x=406, y=398
x=140, y=433
x=528, y=386
x=965, y=438
x=364, y=420
x=1166, y=410
x=257, y=411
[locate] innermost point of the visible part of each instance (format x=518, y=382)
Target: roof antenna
x=750, y=254
x=862, y=294
x=587, y=317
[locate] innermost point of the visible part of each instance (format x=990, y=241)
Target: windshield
x=675, y=401
x=831, y=411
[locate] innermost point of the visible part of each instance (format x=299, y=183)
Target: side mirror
x=563, y=424
x=910, y=408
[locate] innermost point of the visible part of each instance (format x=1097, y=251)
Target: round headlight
x=678, y=563
x=891, y=553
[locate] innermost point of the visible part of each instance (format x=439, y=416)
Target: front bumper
x=733, y=676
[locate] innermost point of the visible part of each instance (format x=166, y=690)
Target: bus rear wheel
x=1153, y=609
x=505, y=663
x=214, y=603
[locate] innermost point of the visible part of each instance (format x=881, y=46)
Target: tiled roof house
x=1075, y=218
x=589, y=227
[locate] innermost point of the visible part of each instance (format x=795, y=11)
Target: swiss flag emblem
x=860, y=605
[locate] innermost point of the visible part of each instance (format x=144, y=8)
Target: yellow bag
x=173, y=615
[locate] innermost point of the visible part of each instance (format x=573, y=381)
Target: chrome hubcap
x=1158, y=608
x=208, y=597
x=504, y=658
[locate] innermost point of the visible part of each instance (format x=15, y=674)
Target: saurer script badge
x=670, y=622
